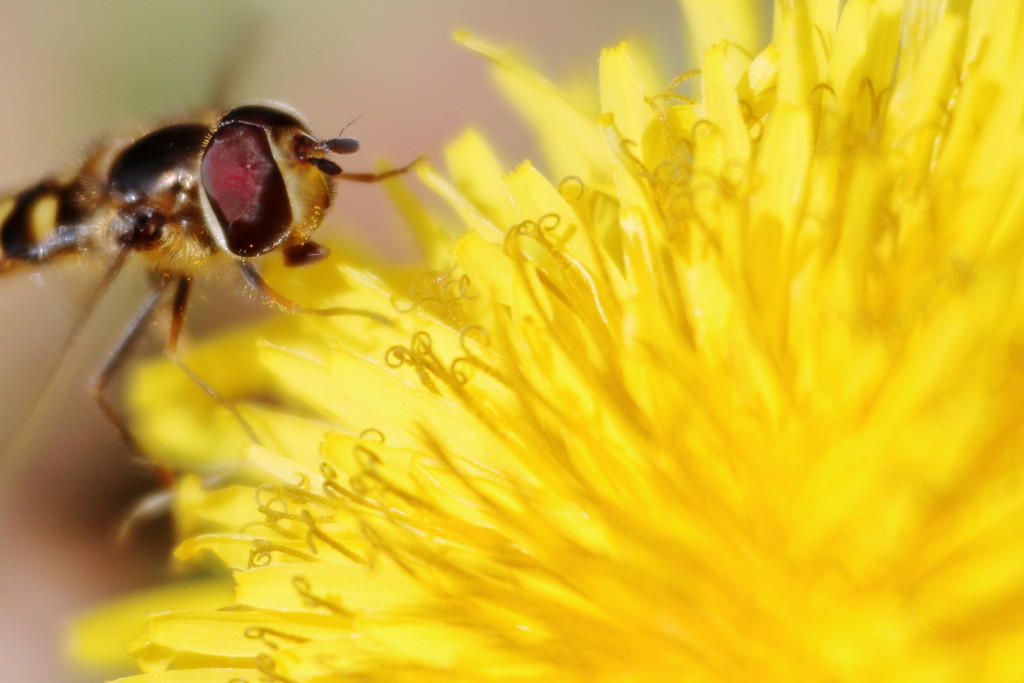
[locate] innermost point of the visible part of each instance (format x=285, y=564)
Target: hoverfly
x=185, y=197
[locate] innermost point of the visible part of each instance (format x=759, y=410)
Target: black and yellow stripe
x=40, y=223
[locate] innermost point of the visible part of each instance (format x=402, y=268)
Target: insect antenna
x=346, y=126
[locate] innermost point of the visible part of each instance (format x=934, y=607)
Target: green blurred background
x=70, y=71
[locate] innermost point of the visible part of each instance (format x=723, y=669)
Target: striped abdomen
x=41, y=223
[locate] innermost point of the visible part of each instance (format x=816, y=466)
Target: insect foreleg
x=383, y=175
x=263, y=288
x=179, y=306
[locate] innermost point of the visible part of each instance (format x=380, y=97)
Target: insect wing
x=55, y=336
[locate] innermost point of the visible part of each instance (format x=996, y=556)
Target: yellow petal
x=98, y=639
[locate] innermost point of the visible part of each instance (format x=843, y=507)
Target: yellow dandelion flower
x=730, y=393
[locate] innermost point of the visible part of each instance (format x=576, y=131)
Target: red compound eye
x=246, y=190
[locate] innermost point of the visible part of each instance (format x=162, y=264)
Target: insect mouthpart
x=326, y=166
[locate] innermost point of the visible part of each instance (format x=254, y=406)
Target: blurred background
x=69, y=71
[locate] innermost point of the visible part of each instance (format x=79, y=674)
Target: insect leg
x=179, y=306
x=158, y=503
x=384, y=175
x=116, y=360
x=263, y=288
